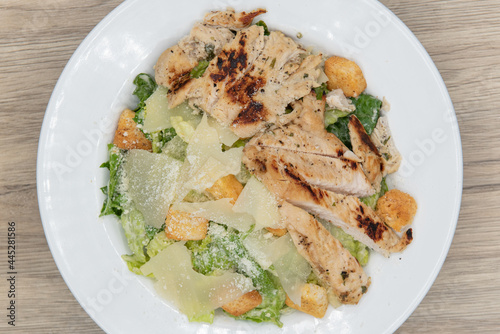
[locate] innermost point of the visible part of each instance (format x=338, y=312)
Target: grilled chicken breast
x=250, y=83
x=363, y=147
x=339, y=175
x=384, y=142
x=346, y=212
x=174, y=66
x=306, y=132
x=235, y=59
x=305, y=148
x=337, y=269
x=230, y=19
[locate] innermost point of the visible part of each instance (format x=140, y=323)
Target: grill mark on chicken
x=364, y=148
x=316, y=194
x=230, y=63
x=362, y=134
x=372, y=229
x=180, y=80
x=254, y=112
x=343, y=211
x=243, y=90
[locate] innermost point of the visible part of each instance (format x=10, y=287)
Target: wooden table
x=463, y=38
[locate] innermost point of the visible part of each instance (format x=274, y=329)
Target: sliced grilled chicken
x=262, y=95
x=230, y=19
x=337, y=269
x=174, y=66
x=235, y=59
x=339, y=175
x=384, y=142
x=306, y=133
x=346, y=212
x=363, y=147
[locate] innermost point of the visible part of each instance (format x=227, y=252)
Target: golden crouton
x=344, y=74
x=279, y=232
x=127, y=135
x=313, y=301
x=396, y=209
x=181, y=225
x=245, y=303
x=226, y=187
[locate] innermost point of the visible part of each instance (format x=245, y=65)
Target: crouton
x=226, y=187
x=313, y=301
x=127, y=135
x=396, y=209
x=344, y=74
x=279, y=232
x=245, y=303
x=181, y=225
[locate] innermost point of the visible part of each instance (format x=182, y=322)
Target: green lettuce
x=114, y=202
x=332, y=115
x=145, y=85
x=368, y=113
x=357, y=249
x=371, y=201
x=224, y=250
x=158, y=243
x=321, y=90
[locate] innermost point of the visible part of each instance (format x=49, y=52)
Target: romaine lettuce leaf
x=114, y=202
x=356, y=248
x=368, y=113
x=134, y=227
x=371, y=201
x=145, y=85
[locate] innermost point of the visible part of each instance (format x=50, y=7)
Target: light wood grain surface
x=463, y=38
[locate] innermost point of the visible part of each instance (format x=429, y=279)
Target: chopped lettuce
x=332, y=115
x=341, y=129
x=321, y=90
x=137, y=232
x=357, y=249
x=223, y=250
x=160, y=138
x=368, y=113
x=145, y=85
x=371, y=201
x=158, y=243
x=113, y=204
x=134, y=227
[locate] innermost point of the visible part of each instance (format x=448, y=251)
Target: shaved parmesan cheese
x=259, y=245
x=226, y=136
x=257, y=201
x=220, y=211
x=158, y=114
x=193, y=293
x=292, y=269
x=151, y=181
x=205, y=162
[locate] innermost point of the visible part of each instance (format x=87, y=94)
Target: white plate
x=96, y=86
